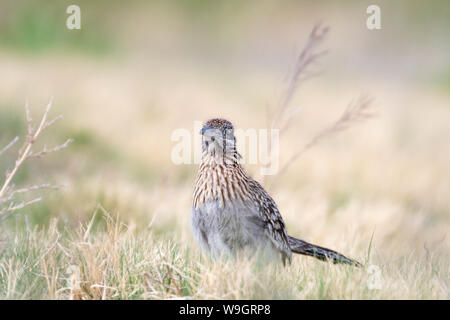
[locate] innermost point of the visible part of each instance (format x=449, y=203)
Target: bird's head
x=218, y=137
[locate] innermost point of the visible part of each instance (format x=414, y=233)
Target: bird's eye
x=213, y=139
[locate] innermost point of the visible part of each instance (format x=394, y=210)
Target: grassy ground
x=118, y=263
x=120, y=229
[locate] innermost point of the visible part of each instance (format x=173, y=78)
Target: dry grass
x=283, y=117
x=148, y=252
x=377, y=193
x=117, y=263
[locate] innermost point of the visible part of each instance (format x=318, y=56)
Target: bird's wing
x=273, y=222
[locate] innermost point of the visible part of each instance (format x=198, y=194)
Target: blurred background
x=136, y=71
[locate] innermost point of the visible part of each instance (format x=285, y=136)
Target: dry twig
x=355, y=112
x=282, y=116
x=308, y=56
x=7, y=190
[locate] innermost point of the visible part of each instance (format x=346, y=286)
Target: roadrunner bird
x=231, y=211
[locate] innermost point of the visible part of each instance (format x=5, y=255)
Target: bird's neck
x=218, y=157
x=220, y=178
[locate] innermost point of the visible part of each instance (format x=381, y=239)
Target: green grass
x=117, y=263
x=377, y=194
x=40, y=26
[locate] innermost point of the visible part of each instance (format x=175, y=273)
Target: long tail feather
x=324, y=254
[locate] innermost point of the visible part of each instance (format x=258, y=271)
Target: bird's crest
x=218, y=123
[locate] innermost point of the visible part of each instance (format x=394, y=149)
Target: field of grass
x=118, y=263
x=378, y=192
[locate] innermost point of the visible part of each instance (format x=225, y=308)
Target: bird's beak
x=204, y=129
